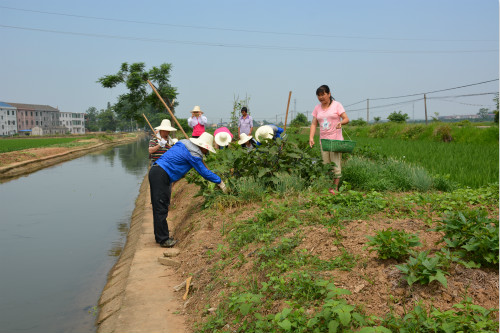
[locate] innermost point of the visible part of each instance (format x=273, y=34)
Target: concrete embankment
x=139, y=295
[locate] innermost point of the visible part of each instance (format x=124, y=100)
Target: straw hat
x=222, y=138
x=206, y=140
x=196, y=109
x=244, y=138
x=165, y=126
x=264, y=132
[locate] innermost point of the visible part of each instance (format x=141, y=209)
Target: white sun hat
x=165, y=126
x=206, y=140
x=196, y=109
x=244, y=138
x=264, y=132
x=223, y=138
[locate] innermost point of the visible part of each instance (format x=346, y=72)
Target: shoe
x=168, y=243
x=332, y=191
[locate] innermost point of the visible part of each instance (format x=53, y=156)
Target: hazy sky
x=53, y=52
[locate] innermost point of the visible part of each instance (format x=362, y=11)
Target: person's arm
x=344, y=121
x=251, y=124
x=312, y=131
x=190, y=122
x=153, y=146
x=200, y=166
x=202, y=120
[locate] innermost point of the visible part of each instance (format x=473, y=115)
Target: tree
x=398, y=117
x=483, y=113
x=132, y=104
x=300, y=121
x=107, y=120
x=358, y=122
x=377, y=119
x=91, y=124
x=435, y=118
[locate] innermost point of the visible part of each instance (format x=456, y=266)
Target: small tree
x=131, y=105
x=435, y=117
x=398, y=117
x=358, y=122
x=377, y=119
x=483, y=113
x=92, y=114
x=300, y=121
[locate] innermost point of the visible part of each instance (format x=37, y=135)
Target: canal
x=61, y=231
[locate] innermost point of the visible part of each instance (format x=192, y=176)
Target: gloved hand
x=158, y=136
x=222, y=186
x=162, y=142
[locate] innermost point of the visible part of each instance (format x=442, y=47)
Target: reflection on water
x=61, y=230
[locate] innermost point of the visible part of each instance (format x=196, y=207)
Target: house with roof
x=44, y=116
x=73, y=121
x=8, y=119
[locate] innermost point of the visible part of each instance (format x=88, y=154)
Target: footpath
x=139, y=295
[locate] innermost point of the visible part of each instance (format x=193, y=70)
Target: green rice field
x=469, y=164
x=7, y=145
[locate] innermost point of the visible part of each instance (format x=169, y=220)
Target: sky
x=381, y=54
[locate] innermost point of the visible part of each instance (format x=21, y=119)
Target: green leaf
x=441, y=278
x=332, y=326
x=286, y=325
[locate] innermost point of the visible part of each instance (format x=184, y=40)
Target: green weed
x=391, y=243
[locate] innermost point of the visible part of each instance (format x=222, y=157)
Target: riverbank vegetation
x=400, y=248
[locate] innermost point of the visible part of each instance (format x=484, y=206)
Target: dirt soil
x=376, y=285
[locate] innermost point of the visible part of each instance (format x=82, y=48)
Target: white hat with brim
x=244, y=138
x=165, y=126
x=264, y=132
x=196, y=109
x=223, y=138
x=206, y=140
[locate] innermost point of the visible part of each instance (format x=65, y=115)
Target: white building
x=73, y=121
x=8, y=119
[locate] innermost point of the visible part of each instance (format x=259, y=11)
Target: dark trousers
x=161, y=190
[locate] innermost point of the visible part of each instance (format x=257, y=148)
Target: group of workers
x=171, y=159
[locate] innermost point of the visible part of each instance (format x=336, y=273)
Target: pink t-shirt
x=328, y=120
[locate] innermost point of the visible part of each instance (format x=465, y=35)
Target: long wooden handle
x=287, y=106
x=150, y=124
x=166, y=106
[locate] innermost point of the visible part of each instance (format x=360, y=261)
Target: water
x=61, y=230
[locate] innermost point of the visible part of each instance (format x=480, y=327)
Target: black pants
x=161, y=190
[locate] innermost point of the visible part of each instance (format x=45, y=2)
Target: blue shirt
x=177, y=161
x=277, y=131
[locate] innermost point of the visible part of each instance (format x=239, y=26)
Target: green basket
x=341, y=146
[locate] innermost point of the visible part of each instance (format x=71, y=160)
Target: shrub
x=472, y=234
x=443, y=133
x=391, y=243
x=424, y=269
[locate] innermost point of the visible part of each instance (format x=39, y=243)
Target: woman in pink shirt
x=197, y=121
x=330, y=116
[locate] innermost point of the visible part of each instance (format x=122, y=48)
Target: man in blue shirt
x=171, y=167
x=270, y=131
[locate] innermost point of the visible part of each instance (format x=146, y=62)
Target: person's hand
x=311, y=142
x=222, y=186
x=339, y=125
x=162, y=142
x=158, y=136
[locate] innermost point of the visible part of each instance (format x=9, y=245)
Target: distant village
x=33, y=119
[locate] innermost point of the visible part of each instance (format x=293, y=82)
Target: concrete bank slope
x=139, y=295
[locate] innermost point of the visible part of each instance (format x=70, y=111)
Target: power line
x=262, y=47
x=239, y=30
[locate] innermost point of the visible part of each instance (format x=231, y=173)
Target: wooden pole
x=166, y=106
x=425, y=104
x=150, y=125
x=287, y=106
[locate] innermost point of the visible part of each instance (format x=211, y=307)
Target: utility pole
x=367, y=110
x=425, y=105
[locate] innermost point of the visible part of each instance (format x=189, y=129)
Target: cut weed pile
x=301, y=262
